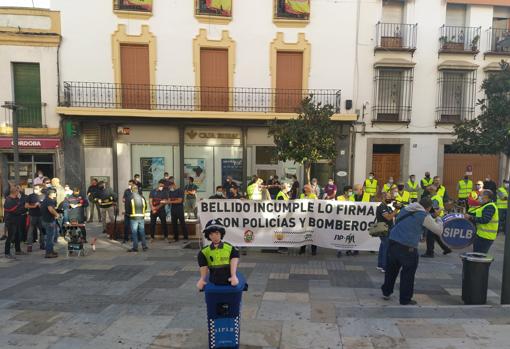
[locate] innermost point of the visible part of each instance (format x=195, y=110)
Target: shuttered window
x=289, y=81
x=214, y=94
x=456, y=15
x=96, y=136
x=135, y=74
x=27, y=94
x=393, y=12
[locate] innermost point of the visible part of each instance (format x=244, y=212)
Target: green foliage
x=489, y=133
x=308, y=138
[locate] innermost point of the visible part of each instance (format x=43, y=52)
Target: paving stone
x=356, y=343
x=274, y=296
x=323, y=312
x=442, y=343
x=341, y=295
x=70, y=342
x=272, y=310
x=180, y=338
x=141, y=329
x=350, y=279
x=355, y=327
x=385, y=342
x=302, y=334
x=279, y=276
x=431, y=331
x=261, y=333
x=17, y=341
x=287, y=286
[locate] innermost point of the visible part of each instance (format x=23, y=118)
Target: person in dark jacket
x=33, y=204
x=126, y=199
x=403, y=247
x=136, y=210
x=76, y=210
x=14, y=207
x=92, y=193
x=384, y=213
x=107, y=200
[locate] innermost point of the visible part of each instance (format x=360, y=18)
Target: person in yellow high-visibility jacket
x=486, y=218
x=502, y=203
x=413, y=188
x=464, y=188
x=402, y=197
x=388, y=186
x=347, y=193
x=370, y=186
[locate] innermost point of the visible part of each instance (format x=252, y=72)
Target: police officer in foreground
x=219, y=260
x=486, y=218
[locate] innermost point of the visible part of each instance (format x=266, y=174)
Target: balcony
x=396, y=37
x=498, y=41
x=455, y=39
x=28, y=115
x=191, y=99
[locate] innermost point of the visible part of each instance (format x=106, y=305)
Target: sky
x=25, y=3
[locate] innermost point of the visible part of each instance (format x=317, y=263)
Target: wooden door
x=135, y=75
x=386, y=165
x=214, y=94
x=289, y=81
x=455, y=166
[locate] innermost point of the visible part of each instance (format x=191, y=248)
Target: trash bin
x=475, y=277
x=224, y=313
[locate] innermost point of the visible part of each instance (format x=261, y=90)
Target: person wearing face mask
x=464, y=188
x=55, y=183
x=190, y=204
x=432, y=238
x=486, y=218
x=295, y=188
x=330, y=190
x=370, y=186
x=46, y=185
x=49, y=215
x=310, y=195
x=316, y=189
x=425, y=182
x=388, y=186
x=254, y=190
x=38, y=180
x=412, y=188
x=76, y=210
x=473, y=196
x=126, y=199
x=67, y=190
x=227, y=185
x=441, y=189
x=283, y=194
x=176, y=199
x=107, y=200
x=92, y=193
x=502, y=203
x=138, y=183
x=402, y=197
x=359, y=195
x=347, y=193
x=33, y=204
x=234, y=192
x=158, y=199
x=218, y=194
x=384, y=213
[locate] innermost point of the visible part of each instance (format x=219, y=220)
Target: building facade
x=29, y=41
x=188, y=87
x=419, y=70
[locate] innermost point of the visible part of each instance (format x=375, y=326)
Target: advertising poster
x=152, y=170
x=233, y=168
x=145, y=5
x=196, y=168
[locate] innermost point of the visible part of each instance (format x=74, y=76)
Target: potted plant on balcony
x=474, y=43
x=443, y=40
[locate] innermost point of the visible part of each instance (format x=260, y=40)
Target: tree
x=308, y=138
x=489, y=133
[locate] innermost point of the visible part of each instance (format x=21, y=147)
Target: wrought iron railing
x=396, y=36
x=456, y=96
x=28, y=114
x=498, y=41
x=393, y=95
x=121, y=5
x=459, y=39
x=192, y=98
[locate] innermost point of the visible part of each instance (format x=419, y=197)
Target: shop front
x=35, y=154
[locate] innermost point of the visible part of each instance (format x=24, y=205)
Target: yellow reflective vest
x=489, y=230
x=218, y=257
x=439, y=200
x=502, y=203
x=426, y=182
x=387, y=188
x=309, y=196
x=441, y=190
x=371, y=187
x=413, y=193
x=282, y=195
x=365, y=198
x=403, y=198
x=342, y=198
x=465, y=187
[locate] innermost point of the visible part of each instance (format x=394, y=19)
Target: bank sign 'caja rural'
x=458, y=232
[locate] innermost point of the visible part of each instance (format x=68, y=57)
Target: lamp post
x=15, y=145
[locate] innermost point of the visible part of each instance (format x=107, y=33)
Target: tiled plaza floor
x=112, y=299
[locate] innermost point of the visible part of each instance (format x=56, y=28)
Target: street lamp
x=14, y=108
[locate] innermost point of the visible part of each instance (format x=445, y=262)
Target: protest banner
x=341, y=225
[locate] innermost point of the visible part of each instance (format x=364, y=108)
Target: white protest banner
x=341, y=225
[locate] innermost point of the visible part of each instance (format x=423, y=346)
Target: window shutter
x=27, y=93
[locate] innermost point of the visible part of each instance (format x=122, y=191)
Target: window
x=393, y=94
x=393, y=12
x=500, y=31
x=214, y=89
x=265, y=155
x=289, y=81
x=133, y=5
x=220, y=8
x=292, y=9
x=27, y=94
x=135, y=76
x=457, y=94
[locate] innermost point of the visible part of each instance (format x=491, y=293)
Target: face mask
x=219, y=193
x=40, y=175
x=487, y=179
x=330, y=182
x=507, y=185
x=160, y=188
x=37, y=192
x=478, y=186
x=400, y=187
x=172, y=189
x=427, y=176
x=412, y=179
x=370, y=177
x=390, y=181
x=48, y=185
x=349, y=193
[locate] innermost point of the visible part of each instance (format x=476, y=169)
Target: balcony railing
x=192, y=98
x=28, y=115
x=455, y=39
x=456, y=96
x=126, y=5
x=393, y=95
x=498, y=41
x=396, y=36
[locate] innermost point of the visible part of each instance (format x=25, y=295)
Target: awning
x=30, y=143
x=394, y=63
x=457, y=65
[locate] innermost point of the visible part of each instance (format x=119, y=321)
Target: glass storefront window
x=29, y=164
x=151, y=161
x=266, y=155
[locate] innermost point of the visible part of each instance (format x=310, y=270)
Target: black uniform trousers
x=177, y=214
x=161, y=214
